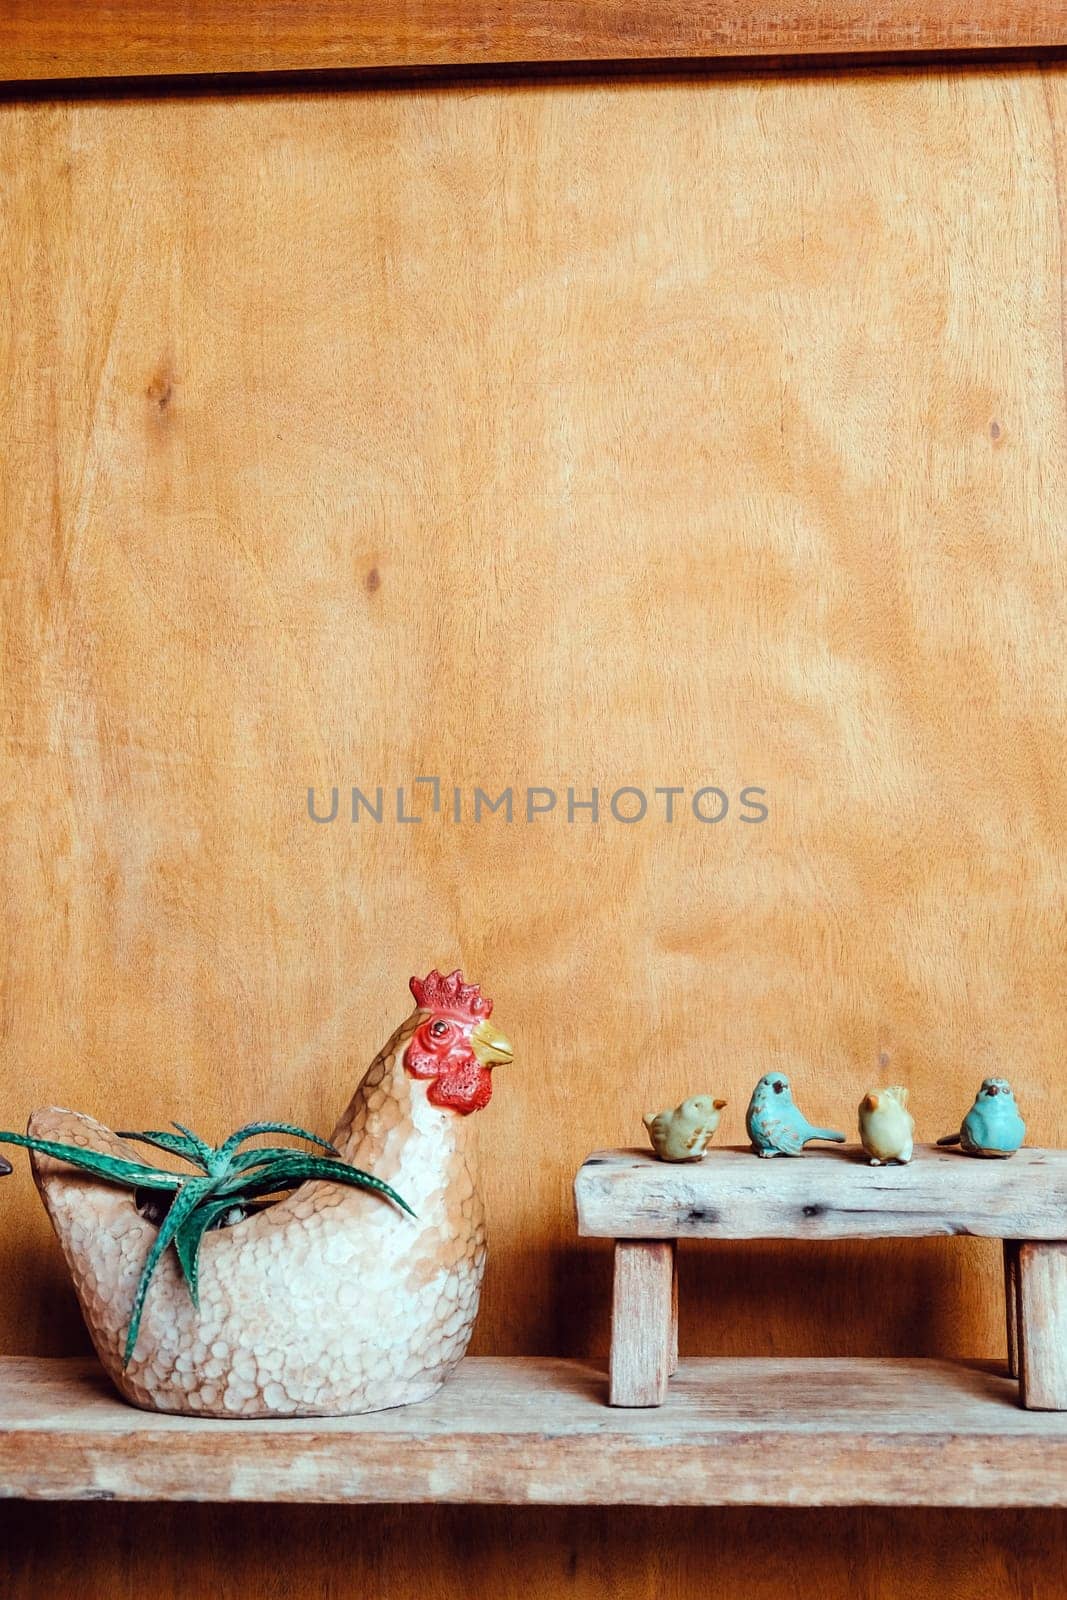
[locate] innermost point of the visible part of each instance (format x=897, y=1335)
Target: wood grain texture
x=734, y=1432
x=246, y=549
x=1042, y=1325
x=824, y=1194
x=648, y=433
x=644, y=1306
x=67, y=39
x=93, y=1551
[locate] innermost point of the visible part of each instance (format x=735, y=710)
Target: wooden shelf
x=732, y=1432
x=828, y=1193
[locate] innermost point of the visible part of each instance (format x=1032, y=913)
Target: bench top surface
x=827, y=1193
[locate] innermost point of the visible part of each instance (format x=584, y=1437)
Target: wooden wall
x=674, y=432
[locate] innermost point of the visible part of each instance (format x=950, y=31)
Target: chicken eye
x=438, y=1030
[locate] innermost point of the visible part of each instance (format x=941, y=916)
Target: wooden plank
x=70, y=39
x=644, y=1334
x=1042, y=1326
x=732, y=1432
x=228, y=470
x=824, y=1194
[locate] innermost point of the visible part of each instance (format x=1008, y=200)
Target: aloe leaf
x=299, y=1168
x=267, y=1153
x=189, y=1237
x=192, y=1192
x=178, y=1144
x=131, y=1174
x=251, y=1129
x=205, y=1150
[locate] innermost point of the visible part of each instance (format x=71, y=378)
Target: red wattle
x=466, y=1090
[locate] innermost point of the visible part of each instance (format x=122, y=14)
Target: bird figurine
x=331, y=1301
x=887, y=1127
x=684, y=1133
x=775, y=1125
x=993, y=1126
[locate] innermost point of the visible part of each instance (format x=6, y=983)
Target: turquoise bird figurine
x=775, y=1125
x=993, y=1126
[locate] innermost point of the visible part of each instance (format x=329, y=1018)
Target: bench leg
x=672, y=1352
x=1011, y=1302
x=643, y=1330
x=1042, y=1326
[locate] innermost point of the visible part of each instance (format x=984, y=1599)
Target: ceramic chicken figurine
x=684, y=1133
x=329, y=1302
x=993, y=1126
x=887, y=1127
x=775, y=1125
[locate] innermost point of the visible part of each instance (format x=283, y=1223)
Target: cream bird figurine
x=684, y=1133
x=887, y=1127
x=331, y=1301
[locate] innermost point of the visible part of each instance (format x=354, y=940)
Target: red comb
x=435, y=993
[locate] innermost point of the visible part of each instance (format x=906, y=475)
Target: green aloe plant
x=226, y=1181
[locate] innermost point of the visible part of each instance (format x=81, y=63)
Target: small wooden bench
x=646, y=1205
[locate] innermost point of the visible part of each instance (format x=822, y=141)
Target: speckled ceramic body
x=684, y=1133
x=328, y=1303
x=993, y=1127
x=776, y=1125
x=887, y=1127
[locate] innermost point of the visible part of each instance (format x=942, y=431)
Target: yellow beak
x=490, y=1045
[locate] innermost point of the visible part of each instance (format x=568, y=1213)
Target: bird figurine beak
x=718, y=1104
x=490, y=1046
x=870, y=1102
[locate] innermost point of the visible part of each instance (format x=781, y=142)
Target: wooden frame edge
x=513, y=74
x=59, y=40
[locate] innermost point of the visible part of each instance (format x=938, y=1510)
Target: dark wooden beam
x=54, y=39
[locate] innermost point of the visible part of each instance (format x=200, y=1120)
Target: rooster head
x=453, y=1043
